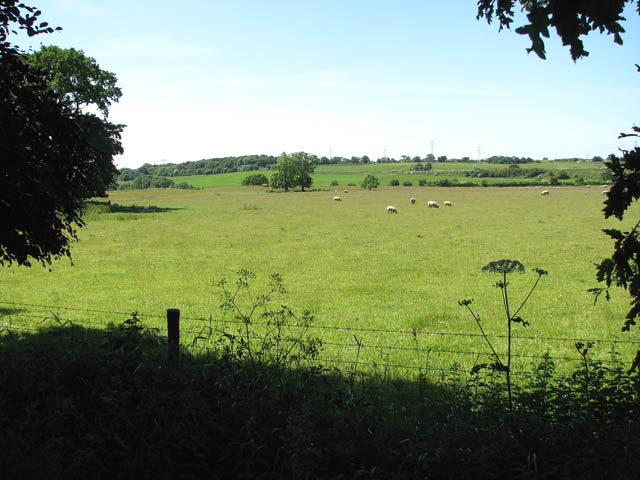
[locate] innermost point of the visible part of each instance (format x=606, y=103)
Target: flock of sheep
x=447, y=203
x=392, y=209
x=430, y=204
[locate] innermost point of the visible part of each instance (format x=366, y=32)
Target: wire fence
x=352, y=347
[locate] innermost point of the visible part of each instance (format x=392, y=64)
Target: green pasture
x=395, y=279
x=350, y=175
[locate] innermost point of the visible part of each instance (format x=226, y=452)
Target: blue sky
x=218, y=78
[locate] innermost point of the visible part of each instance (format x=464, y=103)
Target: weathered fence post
x=173, y=328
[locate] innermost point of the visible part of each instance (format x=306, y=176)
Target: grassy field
x=349, y=263
x=348, y=174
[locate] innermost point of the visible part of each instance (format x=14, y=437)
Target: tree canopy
x=76, y=78
x=53, y=156
x=294, y=170
x=370, y=181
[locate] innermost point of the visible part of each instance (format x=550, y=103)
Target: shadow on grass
x=79, y=403
x=108, y=207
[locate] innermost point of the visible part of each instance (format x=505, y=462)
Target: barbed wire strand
x=69, y=324
x=413, y=332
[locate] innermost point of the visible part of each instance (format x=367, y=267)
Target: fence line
x=414, y=332
x=207, y=333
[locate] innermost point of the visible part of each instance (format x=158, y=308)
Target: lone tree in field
x=294, y=170
x=573, y=20
x=370, y=181
x=54, y=156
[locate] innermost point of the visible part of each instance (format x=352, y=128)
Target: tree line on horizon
x=147, y=175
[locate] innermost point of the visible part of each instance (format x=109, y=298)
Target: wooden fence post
x=173, y=328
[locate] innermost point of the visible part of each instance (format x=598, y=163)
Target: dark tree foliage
x=52, y=157
x=623, y=268
x=571, y=20
x=206, y=166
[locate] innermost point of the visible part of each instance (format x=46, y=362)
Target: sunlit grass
x=350, y=263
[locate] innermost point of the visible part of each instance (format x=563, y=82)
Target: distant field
x=353, y=174
x=350, y=263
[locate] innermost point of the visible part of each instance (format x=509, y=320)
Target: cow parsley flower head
x=504, y=266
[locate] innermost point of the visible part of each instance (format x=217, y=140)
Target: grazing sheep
x=604, y=192
x=448, y=204
x=544, y=192
x=605, y=185
x=413, y=201
x=587, y=186
x=391, y=209
x=346, y=191
x=433, y=204
x=337, y=199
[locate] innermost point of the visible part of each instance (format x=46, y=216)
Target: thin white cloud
x=329, y=73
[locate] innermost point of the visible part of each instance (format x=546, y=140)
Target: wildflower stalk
x=504, y=267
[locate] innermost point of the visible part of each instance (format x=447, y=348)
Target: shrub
x=255, y=179
x=407, y=184
x=370, y=181
x=394, y=183
x=334, y=183
x=422, y=182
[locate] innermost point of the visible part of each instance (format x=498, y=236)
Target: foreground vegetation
x=80, y=403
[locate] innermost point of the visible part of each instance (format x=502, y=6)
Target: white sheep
x=433, y=204
x=544, y=192
x=604, y=192
x=413, y=201
x=337, y=199
x=346, y=191
x=587, y=186
x=447, y=203
x=391, y=209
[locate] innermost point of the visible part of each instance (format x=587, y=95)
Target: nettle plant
x=502, y=363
